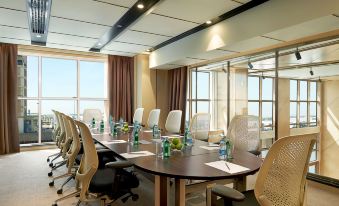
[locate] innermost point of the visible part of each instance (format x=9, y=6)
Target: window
x=303, y=104
x=199, y=99
x=260, y=100
x=67, y=85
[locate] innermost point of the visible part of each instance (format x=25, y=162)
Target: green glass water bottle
x=102, y=126
x=115, y=130
x=93, y=123
x=166, y=148
x=136, y=137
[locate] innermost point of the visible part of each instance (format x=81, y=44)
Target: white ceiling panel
x=13, y=18
x=15, y=41
x=14, y=4
x=213, y=54
x=65, y=26
x=124, y=47
x=124, y=3
x=250, y=44
x=16, y=33
x=141, y=38
x=320, y=25
x=162, y=25
x=112, y=52
x=70, y=40
x=188, y=9
x=88, y=10
x=68, y=47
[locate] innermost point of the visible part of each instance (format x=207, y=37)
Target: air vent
x=38, y=12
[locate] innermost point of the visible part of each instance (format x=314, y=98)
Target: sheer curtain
x=177, y=79
x=9, y=134
x=120, y=86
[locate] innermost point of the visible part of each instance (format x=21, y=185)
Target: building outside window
x=68, y=85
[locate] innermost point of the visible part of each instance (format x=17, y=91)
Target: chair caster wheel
x=51, y=164
x=135, y=197
x=59, y=191
x=50, y=174
x=51, y=184
x=47, y=159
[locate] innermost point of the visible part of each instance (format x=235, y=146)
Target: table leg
x=240, y=183
x=180, y=185
x=161, y=190
x=210, y=199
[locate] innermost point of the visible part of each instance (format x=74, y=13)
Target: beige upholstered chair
x=215, y=136
x=244, y=132
x=281, y=178
x=71, y=154
x=173, y=121
x=89, y=114
x=56, y=136
x=200, y=125
x=137, y=117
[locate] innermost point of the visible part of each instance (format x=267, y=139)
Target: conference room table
x=188, y=163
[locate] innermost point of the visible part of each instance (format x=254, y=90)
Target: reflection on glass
x=203, y=85
x=311, y=169
x=313, y=156
x=313, y=91
x=203, y=106
x=253, y=108
x=293, y=114
x=293, y=89
x=194, y=84
x=194, y=108
x=28, y=121
x=28, y=68
x=267, y=89
x=92, y=79
x=267, y=116
x=253, y=88
x=303, y=90
x=303, y=115
x=92, y=105
x=313, y=114
x=59, y=77
x=48, y=120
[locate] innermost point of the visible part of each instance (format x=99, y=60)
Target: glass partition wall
x=66, y=84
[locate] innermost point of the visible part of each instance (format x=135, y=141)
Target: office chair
x=153, y=118
x=173, y=121
x=72, y=153
x=200, y=125
x=281, y=178
x=61, y=137
x=215, y=136
x=244, y=132
x=89, y=114
x=56, y=135
x=109, y=183
x=137, y=117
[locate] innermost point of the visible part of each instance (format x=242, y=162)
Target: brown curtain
x=177, y=80
x=9, y=134
x=121, y=78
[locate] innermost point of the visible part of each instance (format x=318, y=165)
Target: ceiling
x=78, y=24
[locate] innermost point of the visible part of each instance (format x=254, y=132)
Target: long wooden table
x=182, y=165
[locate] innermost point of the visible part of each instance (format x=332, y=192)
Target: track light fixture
x=224, y=70
x=250, y=65
x=262, y=75
x=297, y=54
x=311, y=72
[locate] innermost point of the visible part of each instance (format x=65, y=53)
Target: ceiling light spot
x=209, y=22
x=38, y=35
x=140, y=6
x=99, y=44
x=148, y=50
x=119, y=26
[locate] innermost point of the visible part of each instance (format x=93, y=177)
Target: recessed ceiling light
x=119, y=26
x=38, y=35
x=148, y=50
x=99, y=44
x=209, y=22
x=140, y=6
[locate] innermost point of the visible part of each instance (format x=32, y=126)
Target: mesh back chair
x=244, y=132
x=173, y=121
x=89, y=114
x=153, y=118
x=215, y=136
x=281, y=178
x=200, y=125
x=71, y=154
x=138, y=115
x=109, y=183
x=56, y=135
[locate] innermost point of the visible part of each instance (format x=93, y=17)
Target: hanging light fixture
x=262, y=75
x=297, y=54
x=250, y=65
x=311, y=72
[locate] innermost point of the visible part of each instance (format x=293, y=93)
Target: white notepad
x=136, y=154
x=210, y=147
x=115, y=141
x=221, y=165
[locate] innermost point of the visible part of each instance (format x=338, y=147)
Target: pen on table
x=227, y=166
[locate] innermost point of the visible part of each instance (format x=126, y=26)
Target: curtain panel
x=177, y=79
x=9, y=134
x=120, y=83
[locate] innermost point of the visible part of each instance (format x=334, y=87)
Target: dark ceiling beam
x=132, y=15
x=227, y=15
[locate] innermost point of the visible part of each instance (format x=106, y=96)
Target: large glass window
x=66, y=85
x=303, y=103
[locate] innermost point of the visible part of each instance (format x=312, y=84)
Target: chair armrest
x=119, y=164
x=104, y=150
x=227, y=193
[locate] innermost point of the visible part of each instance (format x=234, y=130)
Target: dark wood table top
x=186, y=164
